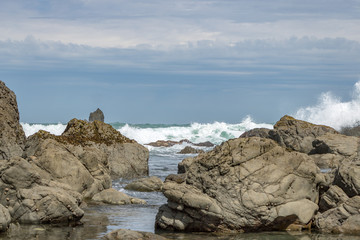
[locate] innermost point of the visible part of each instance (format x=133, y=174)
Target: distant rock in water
x=12, y=136
x=169, y=143
x=190, y=150
x=97, y=115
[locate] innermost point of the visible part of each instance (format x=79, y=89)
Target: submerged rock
x=12, y=136
x=98, y=115
x=112, y=196
x=244, y=184
x=151, y=184
x=132, y=235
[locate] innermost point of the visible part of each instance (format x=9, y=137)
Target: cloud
x=165, y=24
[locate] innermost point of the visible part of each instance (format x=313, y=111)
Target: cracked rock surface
x=245, y=184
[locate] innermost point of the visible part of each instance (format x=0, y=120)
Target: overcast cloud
x=277, y=49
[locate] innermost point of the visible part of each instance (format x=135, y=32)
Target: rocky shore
x=295, y=176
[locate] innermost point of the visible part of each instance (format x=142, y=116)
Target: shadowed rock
x=98, y=115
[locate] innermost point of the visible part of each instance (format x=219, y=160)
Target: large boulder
x=298, y=135
x=86, y=155
x=32, y=199
x=126, y=158
x=12, y=136
x=244, y=184
x=98, y=115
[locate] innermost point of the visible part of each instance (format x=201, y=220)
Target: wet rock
x=98, y=115
x=245, y=184
x=190, y=150
x=345, y=218
x=32, y=199
x=132, y=235
x=5, y=218
x=150, y=184
x=112, y=196
x=12, y=136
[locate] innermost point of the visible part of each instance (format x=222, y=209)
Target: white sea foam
x=216, y=132
x=332, y=111
x=56, y=129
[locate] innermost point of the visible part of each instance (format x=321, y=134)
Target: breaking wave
x=332, y=111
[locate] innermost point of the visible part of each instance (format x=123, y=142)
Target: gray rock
x=98, y=115
x=347, y=177
x=190, y=150
x=31, y=199
x=112, y=196
x=345, y=218
x=256, y=132
x=291, y=133
x=244, y=184
x=150, y=184
x=5, y=218
x=132, y=235
x=86, y=155
x=332, y=198
x=12, y=136
x=351, y=131
x=298, y=135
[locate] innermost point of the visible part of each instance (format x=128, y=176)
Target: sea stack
x=97, y=115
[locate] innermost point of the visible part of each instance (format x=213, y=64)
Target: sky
x=183, y=61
